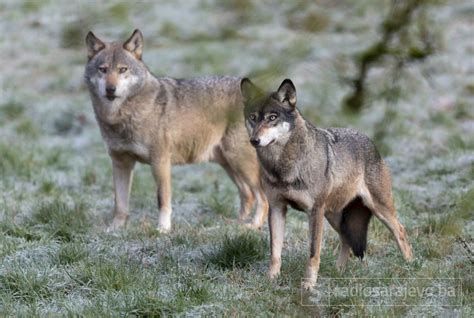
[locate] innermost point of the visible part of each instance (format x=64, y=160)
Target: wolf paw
x=163, y=230
x=116, y=224
x=309, y=281
x=273, y=273
x=340, y=268
x=164, y=226
x=164, y=221
x=308, y=284
x=253, y=226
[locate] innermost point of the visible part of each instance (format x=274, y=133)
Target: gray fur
x=335, y=172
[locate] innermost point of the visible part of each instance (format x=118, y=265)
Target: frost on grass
x=238, y=251
x=62, y=220
x=56, y=177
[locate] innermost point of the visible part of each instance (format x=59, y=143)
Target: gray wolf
x=162, y=121
x=337, y=173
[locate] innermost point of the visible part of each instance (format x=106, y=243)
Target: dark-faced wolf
x=336, y=172
x=162, y=121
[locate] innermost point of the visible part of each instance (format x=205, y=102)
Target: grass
x=61, y=220
x=67, y=123
x=194, y=291
x=311, y=21
x=220, y=202
x=89, y=178
x=31, y=6
x=26, y=283
x=12, y=110
x=12, y=230
x=108, y=275
x=120, y=11
x=465, y=204
x=241, y=9
x=73, y=34
x=447, y=225
x=238, y=251
x=71, y=252
x=16, y=161
x=56, y=258
x=28, y=129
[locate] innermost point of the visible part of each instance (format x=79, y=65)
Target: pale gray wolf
x=162, y=121
x=336, y=172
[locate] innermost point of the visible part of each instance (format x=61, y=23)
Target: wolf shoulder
x=353, y=143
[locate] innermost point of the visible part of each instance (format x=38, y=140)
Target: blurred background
x=400, y=71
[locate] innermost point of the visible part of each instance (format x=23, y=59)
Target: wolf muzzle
x=255, y=141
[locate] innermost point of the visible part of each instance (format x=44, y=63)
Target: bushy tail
x=354, y=225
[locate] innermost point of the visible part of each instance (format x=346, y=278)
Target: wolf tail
x=354, y=224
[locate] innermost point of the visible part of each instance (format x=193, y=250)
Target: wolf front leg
x=276, y=222
x=123, y=175
x=162, y=175
x=316, y=226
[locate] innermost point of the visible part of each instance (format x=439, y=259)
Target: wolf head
x=269, y=118
x=114, y=71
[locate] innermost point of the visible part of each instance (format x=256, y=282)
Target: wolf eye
x=102, y=69
x=252, y=117
x=272, y=117
x=123, y=69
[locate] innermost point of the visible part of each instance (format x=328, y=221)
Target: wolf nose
x=254, y=141
x=110, y=90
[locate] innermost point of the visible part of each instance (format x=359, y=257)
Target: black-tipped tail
x=354, y=225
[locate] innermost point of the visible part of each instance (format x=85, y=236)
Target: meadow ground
x=56, y=186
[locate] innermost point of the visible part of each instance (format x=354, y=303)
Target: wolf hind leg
x=344, y=255
x=379, y=196
x=386, y=213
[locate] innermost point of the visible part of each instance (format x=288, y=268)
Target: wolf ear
x=94, y=45
x=135, y=44
x=248, y=89
x=287, y=92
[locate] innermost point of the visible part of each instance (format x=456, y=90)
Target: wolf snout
x=255, y=141
x=110, y=90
